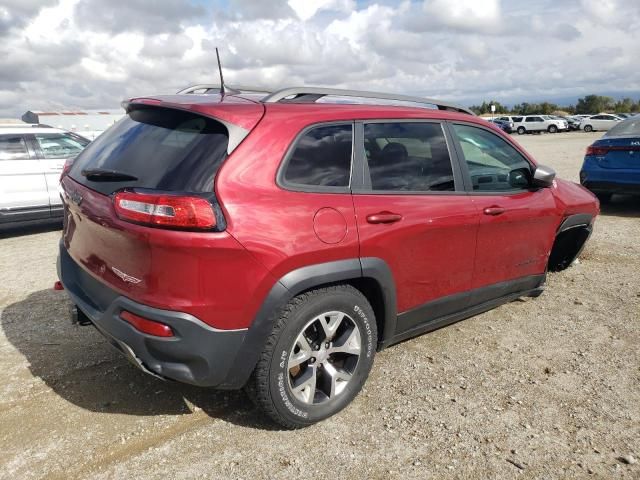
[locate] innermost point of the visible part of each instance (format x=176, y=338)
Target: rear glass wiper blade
x=106, y=175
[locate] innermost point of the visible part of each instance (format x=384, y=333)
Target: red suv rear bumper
x=197, y=354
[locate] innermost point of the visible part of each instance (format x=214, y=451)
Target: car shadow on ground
x=9, y=230
x=621, y=206
x=78, y=364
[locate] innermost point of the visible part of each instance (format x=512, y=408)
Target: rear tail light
x=145, y=325
x=67, y=166
x=597, y=151
x=162, y=210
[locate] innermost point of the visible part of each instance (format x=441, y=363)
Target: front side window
x=59, y=145
x=321, y=157
x=405, y=156
x=493, y=164
x=13, y=147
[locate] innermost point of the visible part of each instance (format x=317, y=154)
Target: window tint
x=408, y=157
x=322, y=157
x=517, y=119
x=165, y=149
x=13, y=147
x=58, y=145
x=628, y=127
x=493, y=164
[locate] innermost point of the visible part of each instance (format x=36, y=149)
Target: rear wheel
x=521, y=130
x=588, y=128
x=317, y=357
x=552, y=129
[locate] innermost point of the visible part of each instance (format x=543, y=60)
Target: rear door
x=517, y=223
x=412, y=212
x=23, y=188
x=534, y=124
x=53, y=150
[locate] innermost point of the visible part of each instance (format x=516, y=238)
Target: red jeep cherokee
x=277, y=243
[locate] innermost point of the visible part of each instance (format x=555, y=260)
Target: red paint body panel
x=515, y=243
x=430, y=250
x=204, y=274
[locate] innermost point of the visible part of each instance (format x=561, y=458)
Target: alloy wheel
x=324, y=357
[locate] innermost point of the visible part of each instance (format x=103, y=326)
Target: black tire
x=270, y=385
x=552, y=129
x=604, y=197
x=588, y=128
x=521, y=130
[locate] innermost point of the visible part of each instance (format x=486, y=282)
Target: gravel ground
x=538, y=388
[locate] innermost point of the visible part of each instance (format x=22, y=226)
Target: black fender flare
x=300, y=280
x=575, y=220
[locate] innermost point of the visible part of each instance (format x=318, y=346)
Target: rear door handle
x=494, y=210
x=384, y=217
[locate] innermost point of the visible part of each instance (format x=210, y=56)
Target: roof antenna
x=222, y=92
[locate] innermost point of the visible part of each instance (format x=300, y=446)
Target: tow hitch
x=78, y=317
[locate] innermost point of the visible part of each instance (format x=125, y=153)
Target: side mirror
x=543, y=176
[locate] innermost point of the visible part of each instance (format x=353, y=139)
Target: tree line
x=588, y=104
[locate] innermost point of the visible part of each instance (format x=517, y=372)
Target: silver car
x=31, y=161
x=602, y=121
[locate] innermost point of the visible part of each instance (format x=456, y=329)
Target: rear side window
x=321, y=158
x=58, y=145
x=164, y=149
x=13, y=147
x=405, y=156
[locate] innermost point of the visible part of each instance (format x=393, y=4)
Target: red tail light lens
x=145, y=325
x=161, y=210
x=597, y=151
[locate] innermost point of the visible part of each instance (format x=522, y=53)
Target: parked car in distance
x=612, y=163
x=540, y=123
x=31, y=161
x=511, y=119
x=602, y=121
x=572, y=122
x=277, y=243
x=503, y=125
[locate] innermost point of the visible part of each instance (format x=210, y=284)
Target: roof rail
x=311, y=94
x=229, y=90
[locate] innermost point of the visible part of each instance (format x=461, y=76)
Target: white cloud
x=54, y=55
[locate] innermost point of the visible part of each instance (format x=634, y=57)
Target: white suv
x=603, y=121
x=541, y=123
x=31, y=161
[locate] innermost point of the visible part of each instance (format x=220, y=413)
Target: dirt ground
x=539, y=388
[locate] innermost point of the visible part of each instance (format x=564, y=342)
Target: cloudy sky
x=58, y=54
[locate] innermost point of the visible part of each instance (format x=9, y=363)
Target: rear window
x=164, y=149
x=629, y=127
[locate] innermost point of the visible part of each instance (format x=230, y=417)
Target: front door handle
x=384, y=217
x=494, y=210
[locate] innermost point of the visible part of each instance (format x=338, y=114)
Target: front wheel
x=552, y=129
x=317, y=357
x=588, y=128
x=521, y=130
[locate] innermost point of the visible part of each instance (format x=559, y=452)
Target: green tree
x=594, y=104
x=624, y=106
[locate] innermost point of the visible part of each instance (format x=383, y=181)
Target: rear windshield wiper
x=105, y=175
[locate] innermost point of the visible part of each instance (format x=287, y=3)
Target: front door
x=517, y=223
x=412, y=212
